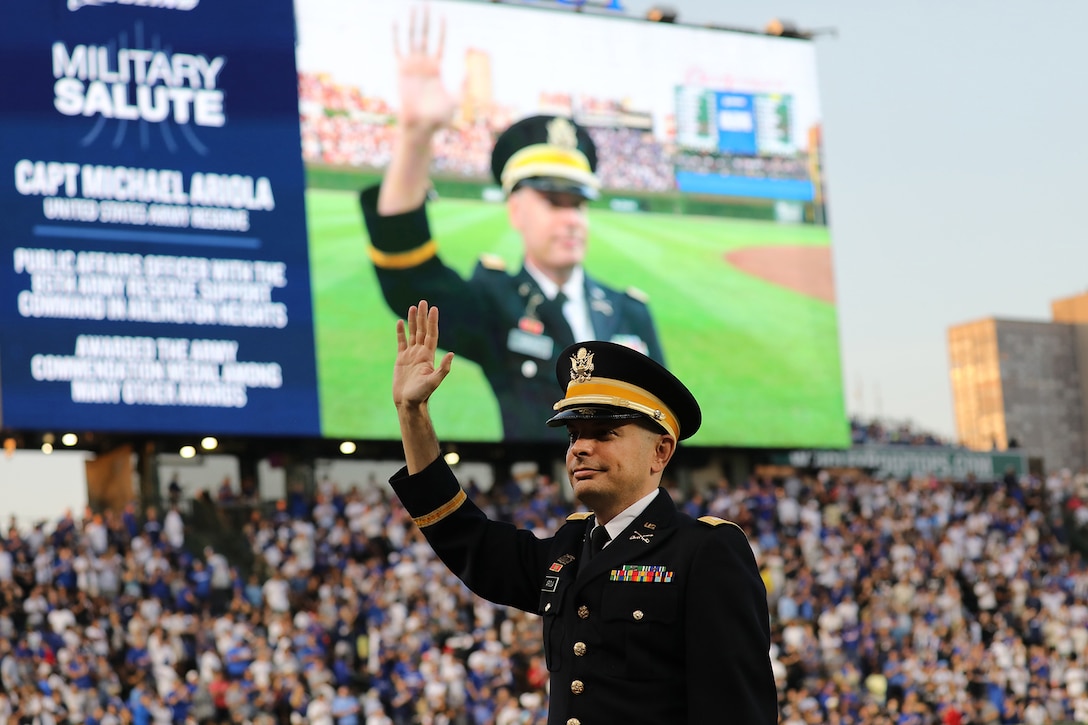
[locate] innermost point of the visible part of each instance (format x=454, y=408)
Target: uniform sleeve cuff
x=396, y=233
x=430, y=495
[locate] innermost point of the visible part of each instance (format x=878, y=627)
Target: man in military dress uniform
x=512, y=325
x=649, y=616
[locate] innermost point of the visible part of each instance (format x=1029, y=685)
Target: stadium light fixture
x=348, y=447
x=662, y=14
x=47, y=448
x=69, y=439
x=187, y=452
x=789, y=29
x=209, y=443
x=452, y=458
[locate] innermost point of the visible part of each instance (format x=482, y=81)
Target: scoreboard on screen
x=728, y=122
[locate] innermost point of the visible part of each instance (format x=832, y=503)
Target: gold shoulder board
x=492, y=261
x=715, y=521
x=579, y=516
x=637, y=294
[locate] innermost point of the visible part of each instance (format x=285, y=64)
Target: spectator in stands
x=704, y=641
x=512, y=325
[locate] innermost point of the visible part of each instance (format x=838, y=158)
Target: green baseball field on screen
x=762, y=359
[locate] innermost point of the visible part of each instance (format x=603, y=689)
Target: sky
x=955, y=146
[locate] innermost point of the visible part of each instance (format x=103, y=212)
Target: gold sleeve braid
x=404, y=260
x=442, y=511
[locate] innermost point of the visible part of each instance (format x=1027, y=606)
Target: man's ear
x=514, y=209
x=663, y=450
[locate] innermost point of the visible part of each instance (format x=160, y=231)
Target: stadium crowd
x=632, y=159
x=341, y=126
x=769, y=167
x=901, y=433
x=892, y=602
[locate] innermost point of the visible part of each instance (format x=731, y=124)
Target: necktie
x=598, y=538
x=555, y=322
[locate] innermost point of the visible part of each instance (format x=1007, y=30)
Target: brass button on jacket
x=583, y=612
x=579, y=649
x=577, y=687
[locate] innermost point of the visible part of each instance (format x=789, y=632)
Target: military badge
x=602, y=306
x=581, y=365
x=531, y=325
x=561, y=133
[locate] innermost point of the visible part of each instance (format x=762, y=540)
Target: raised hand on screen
x=425, y=104
x=415, y=376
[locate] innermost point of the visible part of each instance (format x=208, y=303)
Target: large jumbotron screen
x=184, y=252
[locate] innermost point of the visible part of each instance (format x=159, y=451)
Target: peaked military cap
x=549, y=153
x=606, y=381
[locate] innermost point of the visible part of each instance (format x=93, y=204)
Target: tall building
x=1023, y=384
x=477, y=96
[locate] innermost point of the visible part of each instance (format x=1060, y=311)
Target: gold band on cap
x=547, y=160
x=607, y=391
x=404, y=260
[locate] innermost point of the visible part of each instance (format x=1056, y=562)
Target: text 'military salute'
x=649, y=616
x=512, y=324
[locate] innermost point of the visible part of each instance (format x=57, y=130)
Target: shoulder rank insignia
x=637, y=294
x=492, y=261
x=579, y=516
x=715, y=521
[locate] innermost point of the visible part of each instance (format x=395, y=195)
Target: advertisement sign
x=907, y=461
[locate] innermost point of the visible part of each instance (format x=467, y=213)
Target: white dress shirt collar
x=616, y=526
x=575, y=309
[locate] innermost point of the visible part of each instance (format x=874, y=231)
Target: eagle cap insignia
x=561, y=133
x=581, y=365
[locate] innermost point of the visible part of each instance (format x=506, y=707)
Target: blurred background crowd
x=892, y=601
x=343, y=127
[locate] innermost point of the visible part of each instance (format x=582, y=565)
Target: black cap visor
x=558, y=185
x=595, y=412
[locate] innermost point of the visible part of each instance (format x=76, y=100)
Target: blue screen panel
x=154, y=272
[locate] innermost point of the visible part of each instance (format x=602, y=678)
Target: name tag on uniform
x=526, y=343
x=550, y=584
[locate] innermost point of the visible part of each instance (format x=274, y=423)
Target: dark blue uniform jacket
x=499, y=320
x=668, y=624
